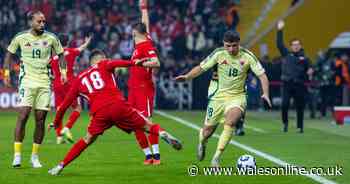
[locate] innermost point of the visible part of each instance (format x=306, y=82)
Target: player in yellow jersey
x=213, y=85
x=227, y=103
x=36, y=47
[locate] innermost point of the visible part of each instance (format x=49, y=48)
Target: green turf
x=115, y=157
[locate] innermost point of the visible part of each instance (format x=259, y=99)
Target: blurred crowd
x=183, y=30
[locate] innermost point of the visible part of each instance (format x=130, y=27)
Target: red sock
x=154, y=134
x=141, y=138
x=58, y=130
x=153, y=137
x=74, y=152
x=72, y=119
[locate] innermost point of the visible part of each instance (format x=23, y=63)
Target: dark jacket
x=294, y=65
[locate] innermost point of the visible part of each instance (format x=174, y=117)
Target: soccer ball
x=246, y=162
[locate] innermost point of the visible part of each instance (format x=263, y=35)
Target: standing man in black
x=294, y=73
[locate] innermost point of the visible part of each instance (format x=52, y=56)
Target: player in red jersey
x=107, y=106
x=61, y=86
x=141, y=89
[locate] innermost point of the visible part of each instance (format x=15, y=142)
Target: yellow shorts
x=217, y=109
x=37, y=97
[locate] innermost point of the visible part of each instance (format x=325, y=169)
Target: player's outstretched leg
x=143, y=143
x=71, y=121
x=231, y=118
x=164, y=135
x=204, y=134
x=22, y=118
x=39, y=133
x=73, y=153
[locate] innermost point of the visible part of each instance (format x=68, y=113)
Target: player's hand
x=88, y=39
x=181, y=78
x=143, y=4
x=267, y=100
x=280, y=24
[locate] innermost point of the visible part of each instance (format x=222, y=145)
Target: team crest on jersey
x=242, y=62
x=27, y=44
x=45, y=43
x=224, y=62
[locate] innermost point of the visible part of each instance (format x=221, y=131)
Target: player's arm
x=10, y=54
x=85, y=44
x=151, y=62
x=116, y=63
x=259, y=71
x=68, y=100
x=205, y=65
x=265, y=87
x=144, y=14
x=280, y=44
x=195, y=72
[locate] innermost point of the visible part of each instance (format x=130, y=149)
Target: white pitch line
x=255, y=129
x=269, y=157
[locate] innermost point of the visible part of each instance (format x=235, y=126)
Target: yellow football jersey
x=232, y=71
x=35, y=53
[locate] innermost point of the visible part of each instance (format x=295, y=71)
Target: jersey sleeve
x=57, y=46
x=210, y=61
x=114, y=63
x=68, y=100
x=13, y=45
x=255, y=65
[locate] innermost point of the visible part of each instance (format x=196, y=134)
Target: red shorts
x=60, y=91
x=120, y=114
x=142, y=99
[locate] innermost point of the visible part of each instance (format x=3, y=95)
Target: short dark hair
x=231, y=36
x=294, y=40
x=140, y=27
x=96, y=52
x=30, y=14
x=64, y=39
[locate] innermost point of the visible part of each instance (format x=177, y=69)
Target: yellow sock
x=35, y=149
x=18, y=148
x=225, y=138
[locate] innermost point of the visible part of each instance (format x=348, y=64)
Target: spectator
x=325, y=76
x=195, y=42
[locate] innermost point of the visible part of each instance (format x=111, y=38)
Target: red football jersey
x=70, y=55
x=140, y=76
x=97, y=84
